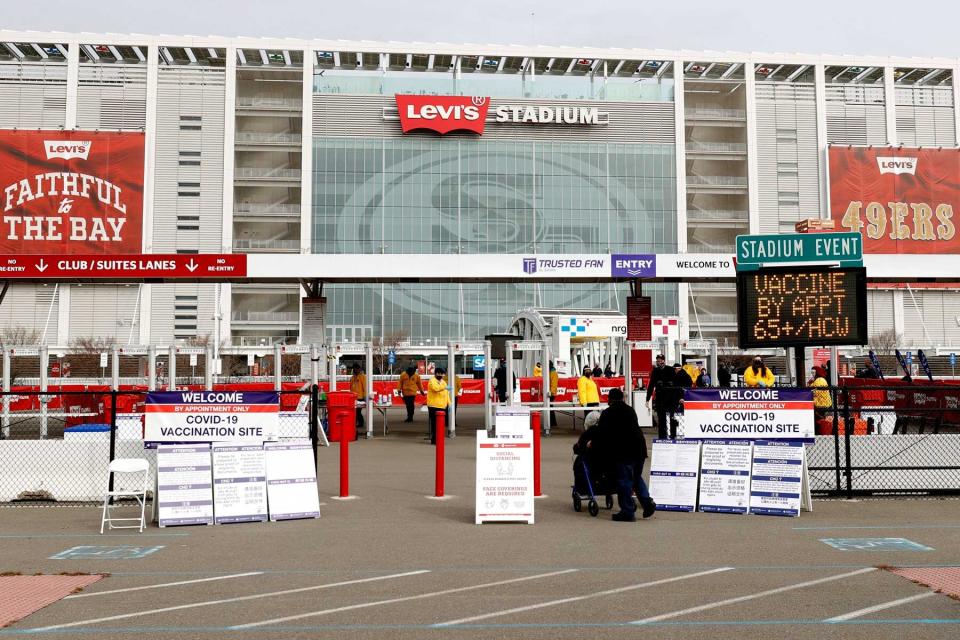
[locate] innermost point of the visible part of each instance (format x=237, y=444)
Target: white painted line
x=165, y=584
x=597, y=594
x=752, y=596
x=880, y=607
x=208, y=603
x=375, y=603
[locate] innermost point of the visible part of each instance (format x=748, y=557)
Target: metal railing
x=266, y=173
x=265, y=316
x=266, y=102
x=716, y=147
x=718, y=214
x=258, y=137
x=262, y=208
x=716, y=181
x=244, y=244
x=715, y=113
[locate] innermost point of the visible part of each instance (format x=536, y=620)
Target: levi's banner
x=211, y=416
x=902, y=200
x=71, y=192
x=748, y=414
x=442, y=114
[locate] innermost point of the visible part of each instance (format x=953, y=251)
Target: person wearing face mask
x=661, y=377
x=587, y=391
x=438, y=399
x=758, y=375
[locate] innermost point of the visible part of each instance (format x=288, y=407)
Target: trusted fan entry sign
x=211, y=416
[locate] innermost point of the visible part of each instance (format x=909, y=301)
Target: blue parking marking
x=874, y=544
x=88, y=552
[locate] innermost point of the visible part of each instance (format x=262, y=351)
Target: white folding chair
x=136, y=490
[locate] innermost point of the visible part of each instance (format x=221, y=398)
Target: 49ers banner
x=902, y=200
x=71, y=192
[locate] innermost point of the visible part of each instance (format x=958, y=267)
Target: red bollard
x=344, y=455
x=535, y=426
x=441, y=434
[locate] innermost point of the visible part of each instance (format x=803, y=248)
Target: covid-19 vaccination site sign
x=748, y=414
x=211, y=416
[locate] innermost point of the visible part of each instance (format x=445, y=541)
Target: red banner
x=902, y=200
x=126, y=267
x=71, y=192
x=442, y=114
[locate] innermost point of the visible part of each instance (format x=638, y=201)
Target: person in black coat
x=723, y=375
x=617, y=443
x=661, y=380
x=500, y=378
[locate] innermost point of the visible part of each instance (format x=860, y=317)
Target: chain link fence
x=881, y=440
x=55, y=447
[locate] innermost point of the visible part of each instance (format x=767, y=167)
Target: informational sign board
x=291, y=480
x=71, y=192
x=151, y=266
x=786, y=248
x=504, y=489
x=674, y=468
x=725, y=476
x=901, y=199
x=801, y=307
x=740, y=413
x=239, y=483
x=512, y=419
x=776, y=482
x=211, y=416
x=639, y=318
x=184, y=484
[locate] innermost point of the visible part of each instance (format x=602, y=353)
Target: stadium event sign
x=71, y=192
x=444, y=114
x=902, y=200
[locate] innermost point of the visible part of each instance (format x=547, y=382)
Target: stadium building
x=276, y=146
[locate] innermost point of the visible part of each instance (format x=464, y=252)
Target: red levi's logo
x=442, y=114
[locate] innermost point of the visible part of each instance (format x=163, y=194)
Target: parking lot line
x=880, y=607
x=208, y=603
x=420, y=596
x=163, y=584
x=752, y=596
x=607, y=592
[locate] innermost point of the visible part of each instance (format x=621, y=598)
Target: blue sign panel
x=478, y=363
x=391, y=357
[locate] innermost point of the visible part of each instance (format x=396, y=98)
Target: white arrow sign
x=42, y=266
x=192, y=266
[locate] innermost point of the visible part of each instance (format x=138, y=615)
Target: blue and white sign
x=291, y=480
x=777, y=478
x=391, y=357
x=725, y=476
x=953, y=359
x=239, y=483
x=748, y=414
x=184, y=484
x=624, y=265
x=479, y=363
x=674, y=468
x=211, y=416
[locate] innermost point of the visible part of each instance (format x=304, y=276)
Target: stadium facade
x=296, y=147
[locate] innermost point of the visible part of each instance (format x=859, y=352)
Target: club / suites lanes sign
x=125, y=267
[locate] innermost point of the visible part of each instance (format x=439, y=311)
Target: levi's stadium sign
x=444, y=114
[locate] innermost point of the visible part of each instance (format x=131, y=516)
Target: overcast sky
x=881, y=27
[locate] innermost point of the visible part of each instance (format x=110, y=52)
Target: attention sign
x=802, y=307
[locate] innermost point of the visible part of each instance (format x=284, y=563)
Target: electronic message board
x=800, y=307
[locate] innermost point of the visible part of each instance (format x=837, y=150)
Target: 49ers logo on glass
x=71, y=192
x=442, y=114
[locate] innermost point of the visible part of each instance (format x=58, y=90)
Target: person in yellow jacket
x=822, y=402
x=587, y=391
x=757, y=375
x=438, y=399
x=358, y=386
x=409, y=387
x=537, y=370
x=554, y=385
x=693, y=371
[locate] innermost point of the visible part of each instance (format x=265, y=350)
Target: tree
x=383, y=347
x=886, y=342
x=20, y=335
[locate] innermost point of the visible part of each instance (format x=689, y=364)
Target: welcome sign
x=211, y=416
